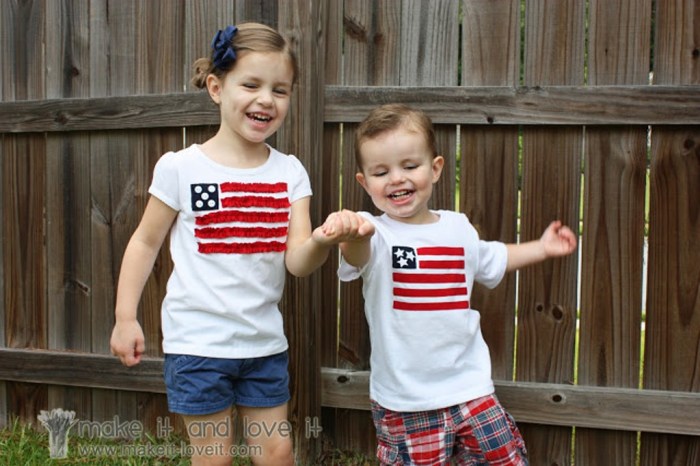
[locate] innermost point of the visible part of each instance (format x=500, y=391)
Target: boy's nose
x=396, y=176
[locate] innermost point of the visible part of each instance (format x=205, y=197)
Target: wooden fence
x=588, y=111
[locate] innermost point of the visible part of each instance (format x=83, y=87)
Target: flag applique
x=240, y=218
x=429, y=279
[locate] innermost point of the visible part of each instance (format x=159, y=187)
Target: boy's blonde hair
x=250, y=37
x=389, y=117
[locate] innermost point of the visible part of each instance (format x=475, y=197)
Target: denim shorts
x=197, y=385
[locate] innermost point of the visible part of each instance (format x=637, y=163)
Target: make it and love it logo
x=58, y=422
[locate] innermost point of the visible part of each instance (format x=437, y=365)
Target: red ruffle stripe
x=232, y=187
x=240, y=216
x=241, y=248
x=256, y=201
x=240, y=232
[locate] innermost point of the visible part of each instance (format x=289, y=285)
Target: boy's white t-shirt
x=227, y=246
x=427, y=348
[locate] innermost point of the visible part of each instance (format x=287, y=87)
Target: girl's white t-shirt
x=227, y=245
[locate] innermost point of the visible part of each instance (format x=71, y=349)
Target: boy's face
x=398, y=173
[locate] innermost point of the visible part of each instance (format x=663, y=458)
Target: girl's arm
x=304, y=254
x=127, y=340
x=306, y=251
x=556, y=241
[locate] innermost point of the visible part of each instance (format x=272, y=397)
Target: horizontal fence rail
x=542, y=403
x=555, y=404
x=546, y=105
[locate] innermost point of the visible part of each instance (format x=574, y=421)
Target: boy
x=431, y=390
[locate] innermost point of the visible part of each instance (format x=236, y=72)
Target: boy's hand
x=558, y=240
x=127, y=342
x=343, y=226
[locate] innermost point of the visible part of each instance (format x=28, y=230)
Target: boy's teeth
x=399, y=194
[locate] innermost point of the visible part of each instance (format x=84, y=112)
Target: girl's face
x=398, y=173
x=254, y=96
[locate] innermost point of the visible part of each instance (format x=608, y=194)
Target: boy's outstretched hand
x=343, y=226
x=558, y=240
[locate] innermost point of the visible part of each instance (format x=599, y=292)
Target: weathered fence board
x=24, y=268
x=301, y=134
x=547, y=304
x=98, y=90
x=489, y=164
x=481, y=105
x=672, y=352
x=613, y=235
x=371, y=57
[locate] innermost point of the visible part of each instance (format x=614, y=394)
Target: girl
x=238, y=213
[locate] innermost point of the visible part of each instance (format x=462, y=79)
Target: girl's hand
x=127, y=342
x=558, y=240
x=343, y=226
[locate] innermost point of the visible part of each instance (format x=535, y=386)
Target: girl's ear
x=438, y=163
x=214, y=87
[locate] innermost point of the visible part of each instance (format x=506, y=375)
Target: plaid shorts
x=479, y=432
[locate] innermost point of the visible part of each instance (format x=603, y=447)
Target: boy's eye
x=379, y=173
x=411, y=167
x=281, y=91
x=249, y=85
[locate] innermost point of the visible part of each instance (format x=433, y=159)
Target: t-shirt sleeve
x=165, y=185
x=347, y=272
x=493, y=259
x=299, y=185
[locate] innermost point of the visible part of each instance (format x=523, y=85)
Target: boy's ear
x=214, y=87
x=438, y=163
x=360, y=177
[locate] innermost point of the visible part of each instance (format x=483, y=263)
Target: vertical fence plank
x=371, y=58
x=112, y=36
x=68, y=198
x=554, y=45
x=158, y=70
x=302, y=23
x=672, y=354
x=330, y=197
x=23, y=198
x=429, y=49
x=613, y=241
x=488, y=191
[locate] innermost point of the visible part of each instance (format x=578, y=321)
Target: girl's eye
x=380, y=173
x=411, y=167
x=250, y=85
x=280, y=91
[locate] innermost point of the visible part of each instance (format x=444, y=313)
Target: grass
x=24, y=445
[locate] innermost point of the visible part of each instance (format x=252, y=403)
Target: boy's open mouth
x=398, y=195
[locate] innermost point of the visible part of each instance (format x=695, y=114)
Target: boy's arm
x=356, y=248
x=127, y=341
x=556, y=241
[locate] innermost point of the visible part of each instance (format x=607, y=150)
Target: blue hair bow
x=224, y=55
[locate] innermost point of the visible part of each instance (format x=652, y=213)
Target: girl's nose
x=264, y=97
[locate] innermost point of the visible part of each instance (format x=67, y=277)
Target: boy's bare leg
x=211, y=438
x=268, y=434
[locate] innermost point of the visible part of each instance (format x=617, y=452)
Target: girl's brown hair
x=250, y=37
x=389, y=117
